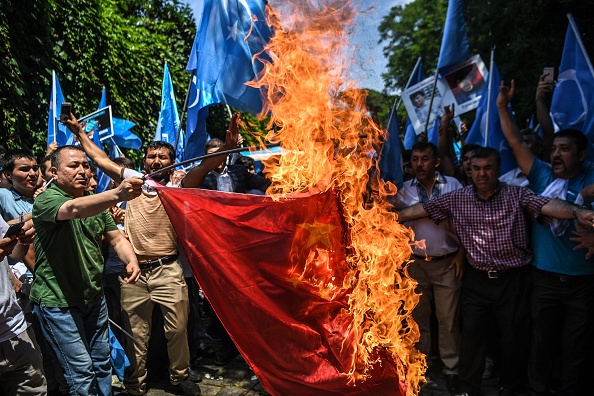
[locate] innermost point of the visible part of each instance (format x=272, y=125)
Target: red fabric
x=249, y=255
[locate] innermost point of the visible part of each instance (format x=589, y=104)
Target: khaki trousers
x=21, y=370
x=164, y=285
x=438, y=282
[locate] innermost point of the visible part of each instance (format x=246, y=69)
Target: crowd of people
x=81, y=258
x=505, y=269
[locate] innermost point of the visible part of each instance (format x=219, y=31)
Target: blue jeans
x=79, y=337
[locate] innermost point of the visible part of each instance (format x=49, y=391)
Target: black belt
x=150, y=264
x=496, y=274
x=433, y=258
x=563, y=277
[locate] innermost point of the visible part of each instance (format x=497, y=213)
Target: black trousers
x=562, y=309
x=501, y=302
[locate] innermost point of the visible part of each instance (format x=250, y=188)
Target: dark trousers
x=504, y=303
x=562, y=309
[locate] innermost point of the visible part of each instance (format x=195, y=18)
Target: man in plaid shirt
x=490, y=219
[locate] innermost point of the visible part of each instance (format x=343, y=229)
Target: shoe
x=452, y=382
x=194, y=376
x=506, y=392
x=225, y=355
x=187, y=388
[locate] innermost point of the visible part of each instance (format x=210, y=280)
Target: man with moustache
x=562, y=303
x=439, y=266
x=70, y=224
x=490, y=220
x=21, y=171
x=155, y=244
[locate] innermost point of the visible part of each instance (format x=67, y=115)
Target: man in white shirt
x=438, y=266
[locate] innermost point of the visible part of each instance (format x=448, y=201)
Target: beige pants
x=438, y=282
x=164, y=285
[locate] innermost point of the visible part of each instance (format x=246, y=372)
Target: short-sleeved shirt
x=68, y=260
x=494, y=232
x=440, y=239
x=555, y=253
x=13, y=204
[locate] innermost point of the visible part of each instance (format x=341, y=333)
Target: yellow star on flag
x=319, y=232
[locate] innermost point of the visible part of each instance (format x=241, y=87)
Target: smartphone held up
x=549, y=73
x=65, y=111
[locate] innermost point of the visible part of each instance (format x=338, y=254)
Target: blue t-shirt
x=553, y=253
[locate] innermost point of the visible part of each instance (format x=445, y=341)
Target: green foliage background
x=528, y=35
x=121, y=45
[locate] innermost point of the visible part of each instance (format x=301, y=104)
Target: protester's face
x=72, y=176
x=529, y=141
x=485, y=174
x=424, y=164
x=408, y=171
x=419, y=100
x=92, y=177
x=48, y=173
x=466, y=164
x=157, y=158
x=214, y=150
x=24, y=176
x=566, y=159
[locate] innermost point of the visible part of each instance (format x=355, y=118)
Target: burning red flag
x=273, y=272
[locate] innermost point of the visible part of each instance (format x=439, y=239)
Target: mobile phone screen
x=65, y=111
x=549, y=73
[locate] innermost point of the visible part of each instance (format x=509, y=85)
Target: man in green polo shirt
x=69, y=303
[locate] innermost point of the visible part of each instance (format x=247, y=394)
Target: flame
x=321, y=119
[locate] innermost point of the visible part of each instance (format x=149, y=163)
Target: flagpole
x=576, y=32
x=203, y=157
x=54, y=94
x=431, y=101
x=489, y=97
x=398, y=101
x=184, y=110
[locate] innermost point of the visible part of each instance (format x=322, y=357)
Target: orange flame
x=322, y=121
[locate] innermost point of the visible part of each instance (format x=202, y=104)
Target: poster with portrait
x=466, y=81
x=100, y=122
x=417, y=99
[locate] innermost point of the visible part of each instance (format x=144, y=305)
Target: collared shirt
x=440, y=239
x=13, y=204
x=515, y=177
x=494, y=232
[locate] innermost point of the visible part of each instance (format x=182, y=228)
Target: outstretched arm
x=412, y=212
x=511, y=131
x=444, y=142
x=565, y=210
x=197, y=174
x=97, y=154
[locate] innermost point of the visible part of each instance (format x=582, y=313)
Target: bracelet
x=575, y=209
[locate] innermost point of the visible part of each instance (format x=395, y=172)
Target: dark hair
x=42, y=166
x=12, y=156
x=537, y=139
x=406, y=154
x=417, y=93
x=55, y=156
x=125, y=162
x=486, y=152
x=2, y=161
x=577, y=137
x=422, y=146
x=468, y=147
x=248, y=162
x=213, y=143
x=160, y=144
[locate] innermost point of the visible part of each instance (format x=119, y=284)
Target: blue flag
x=230, y=34
x=122, y=135
x=487, y=121
x=454, y=44
x=102, y=179
x=390, y=163
x=572, y=106
x=57, y=132
x=168, y=117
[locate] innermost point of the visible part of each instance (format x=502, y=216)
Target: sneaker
x=187, y=388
